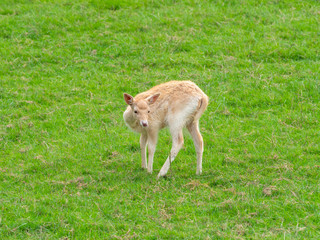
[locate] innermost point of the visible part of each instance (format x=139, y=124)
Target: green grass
x=69, y=167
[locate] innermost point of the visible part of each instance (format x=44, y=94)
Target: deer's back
x=174, y=91
x=176, y=98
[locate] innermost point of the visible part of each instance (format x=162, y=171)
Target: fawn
x=175, y=104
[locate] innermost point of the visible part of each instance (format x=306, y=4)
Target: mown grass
x=69, y=167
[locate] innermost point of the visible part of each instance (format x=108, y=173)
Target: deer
x=174, y=104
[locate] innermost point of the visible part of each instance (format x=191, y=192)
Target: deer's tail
x=203, y=103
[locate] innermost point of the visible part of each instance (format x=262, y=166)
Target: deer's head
x=141, y=108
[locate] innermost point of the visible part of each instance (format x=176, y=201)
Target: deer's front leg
x=143, y=147
x=152, y=142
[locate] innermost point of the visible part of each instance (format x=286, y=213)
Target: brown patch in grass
x=196, y=184
x=268, y=190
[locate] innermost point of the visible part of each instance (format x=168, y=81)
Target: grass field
x=70, y=168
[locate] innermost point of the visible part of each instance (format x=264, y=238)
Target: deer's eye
x=135, y=111
x=148, y=111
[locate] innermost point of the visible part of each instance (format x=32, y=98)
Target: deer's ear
x=153, y=98
x=128, y=98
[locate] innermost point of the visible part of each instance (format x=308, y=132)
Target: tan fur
x=180, y=104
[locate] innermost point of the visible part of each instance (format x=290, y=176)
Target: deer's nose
x=144, y=123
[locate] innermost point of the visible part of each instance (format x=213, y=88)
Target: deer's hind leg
x=177, y=143
x=193, y=128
